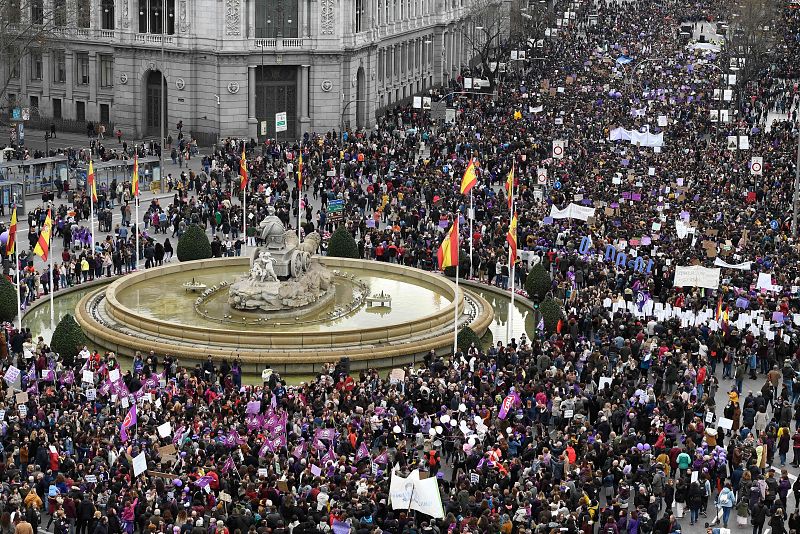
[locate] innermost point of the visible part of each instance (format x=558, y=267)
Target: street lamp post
x=796, y=197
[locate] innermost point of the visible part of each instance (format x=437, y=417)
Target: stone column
x=252, y=121
x=304, y=93
x=301, y=18
x=69, y=65
x=93, y=80
x=47, y=73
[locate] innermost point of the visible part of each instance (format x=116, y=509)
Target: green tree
x=466, y=337
x=342, y=244
x=551, y=313
x=68, y=338
x=538, y=283
x=8, y=300
x=194, y=244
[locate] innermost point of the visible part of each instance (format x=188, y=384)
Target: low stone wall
x=286, y=352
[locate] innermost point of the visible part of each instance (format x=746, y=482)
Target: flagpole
x=510, y=324
x=244, y=218
x=19, y=279
x=50, y=254
x=136, y=204
x=471, y=217
x=455, y=314
x=92, y=189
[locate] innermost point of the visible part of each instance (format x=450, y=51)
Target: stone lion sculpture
x=310, y=244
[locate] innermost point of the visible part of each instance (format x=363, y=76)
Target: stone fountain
x=284, y=273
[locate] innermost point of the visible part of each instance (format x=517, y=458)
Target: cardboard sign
x=167, y=450
x=397, y=376
x=22, y=397
x=224, y=497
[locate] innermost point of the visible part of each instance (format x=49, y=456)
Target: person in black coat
x=758, y=514
x=777, y=522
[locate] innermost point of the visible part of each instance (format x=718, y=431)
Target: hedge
x=538, y=283
x=8, y=300
x=342, y=244
x=194, y=244
x=551, y=313
x=68, y=339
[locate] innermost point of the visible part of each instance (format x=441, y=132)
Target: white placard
x=91, y=479
x=725, y=423
x=91, y=394
x=605, y=380
x=113, y=375
x=139, y=464
x=23, y=410
x=87, y=377
x=165, y=429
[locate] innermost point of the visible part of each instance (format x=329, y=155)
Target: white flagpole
x=50, y=257
x=91, y=211
x=471, y=217
x=19, y=279
x=244, y=216
x=136, y=209
x=510, y=323
x=299, y=202
x=455, y=314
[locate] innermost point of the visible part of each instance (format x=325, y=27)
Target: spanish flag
x=43, y=246
x=135, y=180
x=512, y=239
x=90, y=179
x=469, y=179
x=12, y=234
x=448, y=250
x=300, y=171
x=510, y=186
x=718, y=315
x=243, y=170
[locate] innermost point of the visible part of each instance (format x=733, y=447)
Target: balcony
x=152, y=39
x=106, y=35
x=289, y=42
x=82, y=33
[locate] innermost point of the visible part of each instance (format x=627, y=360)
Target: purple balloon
x=177, y=483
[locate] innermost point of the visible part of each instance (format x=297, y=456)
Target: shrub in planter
x=551, y=313
x=8, y=300
x=68, y=338
x=194, y=245
x=342, y=244
x=466, y=337
x=538, y=283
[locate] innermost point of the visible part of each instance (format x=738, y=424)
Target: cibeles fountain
x=283, y=306
x=285, y=277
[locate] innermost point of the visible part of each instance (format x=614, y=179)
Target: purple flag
x=203, y=481
x=299, y=451
x=228, y=465
x=253, y=422
x=267, y=446
x=509, y=402
x=325, y=433
x=362, y=452
x=279, y=441
x=253, y=407
x=382, y=458
x=340, y=527
x=178, y=435
x=330, y=456
x=318, y=445
x=68, y=377
x=129, y=421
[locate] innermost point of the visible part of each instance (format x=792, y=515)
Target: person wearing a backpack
x=725, y=501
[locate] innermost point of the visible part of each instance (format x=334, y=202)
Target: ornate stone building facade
x=230, y=65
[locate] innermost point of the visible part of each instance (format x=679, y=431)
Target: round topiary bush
x=8, y=300
x=538, y=283
x=194, y=244
x=551, y=313
x=466, y=338
x=342, y=244
x=463, y=267
x=68, y=338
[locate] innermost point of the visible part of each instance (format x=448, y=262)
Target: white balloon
x=509, y=430
x=432, y=432
x=444, y=419
x=439, y=429
x=471, y=442
x=462, y=407
x=396, y=429
x=453, y=422
x=477, y=419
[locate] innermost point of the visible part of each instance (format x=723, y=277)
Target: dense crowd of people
x=608, y=425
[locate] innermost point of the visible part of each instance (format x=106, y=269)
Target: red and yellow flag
x=12, y=234
x=135, y=181
x=510, y=186
x=90, y=179
x=469, y=179
x=243, y=170
x=512, y=239
x=43, y=246
x=448, y=250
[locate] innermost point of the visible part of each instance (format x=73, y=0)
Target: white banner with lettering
x=420, y=495
x=696, y=276
x=573, y=211
x=636, y=137
x=744, y=266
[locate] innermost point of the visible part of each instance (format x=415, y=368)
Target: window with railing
x=82, y=68
x=107, y=16
x=36, y=64
x=59, y=66
x=106, y=71
x=37, y=12
x=60, y=13
x=83, y=10
x=276, y=18
x=152, y=14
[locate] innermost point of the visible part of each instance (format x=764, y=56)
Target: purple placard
x=743, y=303
x=444, y=224
x=777, y=317
x=626, y=195
x=636, y=196
x=680, y=182
x=625, y=162
x=696, y=198
x=685, y=215
x=617, y=222
x=614, y=205
x=253, y=407
x=370, y=223
x=547, y=220
x=646, y=240
x=586, y=202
